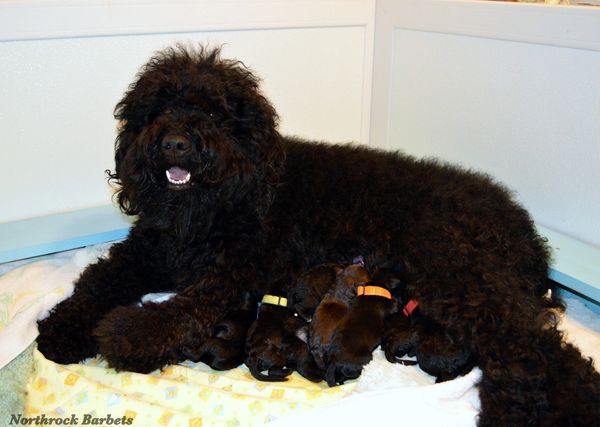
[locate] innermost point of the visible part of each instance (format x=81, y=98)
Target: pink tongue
x=177, y=173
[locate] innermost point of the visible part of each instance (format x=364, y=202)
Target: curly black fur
x=260, y=209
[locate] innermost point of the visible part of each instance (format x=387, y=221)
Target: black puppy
x=407, y=333
x=361, y=331
x=275, y=343
x=225, y=348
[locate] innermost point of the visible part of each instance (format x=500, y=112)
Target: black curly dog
x=225, y=204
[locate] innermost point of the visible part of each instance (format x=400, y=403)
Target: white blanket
x=29, y=289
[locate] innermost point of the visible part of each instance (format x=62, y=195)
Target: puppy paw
x=339, y=373
x=139, y=339
x=309, y=370
x=344, y=366
x=270, y=361
x=440, y=357
x=398, y=343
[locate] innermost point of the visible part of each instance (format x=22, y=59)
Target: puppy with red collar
x=408, y=333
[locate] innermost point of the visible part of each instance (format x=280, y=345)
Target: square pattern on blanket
x=181, y=395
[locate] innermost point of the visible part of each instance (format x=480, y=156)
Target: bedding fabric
x=194, y=395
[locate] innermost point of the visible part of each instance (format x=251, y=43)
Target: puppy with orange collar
x=332, y=310
x=361, y=330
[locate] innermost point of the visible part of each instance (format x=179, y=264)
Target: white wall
x=65, y=64
x=511, y=89
x=496, y=87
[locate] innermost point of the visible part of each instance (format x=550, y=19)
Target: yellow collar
x=275, y=300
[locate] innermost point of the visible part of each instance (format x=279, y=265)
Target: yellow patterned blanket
x=187, y=395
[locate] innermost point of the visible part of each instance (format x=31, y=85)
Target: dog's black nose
x=175, y=145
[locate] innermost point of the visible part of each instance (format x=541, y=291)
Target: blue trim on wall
x=60, y=232
x=576, y=264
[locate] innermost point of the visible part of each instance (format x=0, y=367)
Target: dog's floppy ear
x=253, y=123
x=132, y=172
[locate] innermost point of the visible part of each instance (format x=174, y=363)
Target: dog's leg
x=530, y=377
x=65, y=335
x=145, y=338
x=541, y=379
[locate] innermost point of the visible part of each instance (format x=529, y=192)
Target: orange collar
x=371, y=290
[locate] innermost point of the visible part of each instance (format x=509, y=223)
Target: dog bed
x=191, y=394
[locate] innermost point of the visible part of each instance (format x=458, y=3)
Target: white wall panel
x=57, y=94
x=479, y=84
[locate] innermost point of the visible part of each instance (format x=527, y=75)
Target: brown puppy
x=274, y=344
x=225, y=348
x=311, y=287
x=332, y=310
x=361, y=330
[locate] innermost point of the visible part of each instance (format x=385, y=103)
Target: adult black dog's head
x=195, y=127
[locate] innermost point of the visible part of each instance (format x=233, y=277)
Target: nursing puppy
x=311, y=287
x=274, y=344
x=225, y=349
x=361, y=330
x=409, y=334
x=332, y=310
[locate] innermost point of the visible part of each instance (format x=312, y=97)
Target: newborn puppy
x=408, y=333
x=311, y=287
x=361, y=330
x=400, y=338
x=332, y=310
x=274, y=344
x=225, y=349
x=440, y=356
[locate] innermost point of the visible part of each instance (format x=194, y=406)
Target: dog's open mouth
x=178, y=177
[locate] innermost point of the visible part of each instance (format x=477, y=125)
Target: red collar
x=410, y=307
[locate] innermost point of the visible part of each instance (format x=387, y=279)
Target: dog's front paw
x=64, y=337
x=138, y=339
